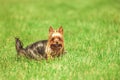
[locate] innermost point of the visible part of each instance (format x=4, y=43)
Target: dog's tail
x=19, y=46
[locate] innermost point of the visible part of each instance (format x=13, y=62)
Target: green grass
x=91, y=32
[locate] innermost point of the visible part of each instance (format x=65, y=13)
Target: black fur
x=34, y=51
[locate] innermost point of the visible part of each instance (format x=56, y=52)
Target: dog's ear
x=60, y=30
x=51, y=29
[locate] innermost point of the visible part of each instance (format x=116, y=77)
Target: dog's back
x=34, y=51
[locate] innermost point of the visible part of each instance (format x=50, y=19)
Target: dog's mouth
x=56, y=46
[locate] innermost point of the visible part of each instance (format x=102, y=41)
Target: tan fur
x=56, y=35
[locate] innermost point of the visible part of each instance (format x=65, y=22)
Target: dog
x=44, y=49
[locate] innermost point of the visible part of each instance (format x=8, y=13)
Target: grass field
x=91, y=33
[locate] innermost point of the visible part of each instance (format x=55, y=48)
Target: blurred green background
x=91, y=33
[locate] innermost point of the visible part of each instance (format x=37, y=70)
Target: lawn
x=91, y=33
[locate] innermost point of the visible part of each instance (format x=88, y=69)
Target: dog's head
x=56, y=41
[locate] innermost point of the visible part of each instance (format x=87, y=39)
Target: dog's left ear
x=60, y=30
x=51, y=29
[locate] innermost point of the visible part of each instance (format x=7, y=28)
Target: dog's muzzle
x=56, y=46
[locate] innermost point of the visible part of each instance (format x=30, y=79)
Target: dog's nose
x=56, y=42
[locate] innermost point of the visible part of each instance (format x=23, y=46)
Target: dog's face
x=56, y=41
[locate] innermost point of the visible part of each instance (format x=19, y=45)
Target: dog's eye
x=52, y=39
x=59, y=38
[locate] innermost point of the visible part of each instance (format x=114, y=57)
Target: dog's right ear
x=60, y=30
x=51, y=29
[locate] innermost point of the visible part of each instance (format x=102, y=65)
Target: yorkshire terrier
x=44, y=49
